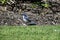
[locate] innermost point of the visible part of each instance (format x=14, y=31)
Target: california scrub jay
x=26, y=18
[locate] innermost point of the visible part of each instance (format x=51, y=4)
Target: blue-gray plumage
x=26, y=18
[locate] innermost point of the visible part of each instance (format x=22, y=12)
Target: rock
x=31, y=23
x=3, y=8
x=28, y=9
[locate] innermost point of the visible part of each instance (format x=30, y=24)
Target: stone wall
x=40, y=15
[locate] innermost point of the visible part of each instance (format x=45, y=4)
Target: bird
x=26, y=18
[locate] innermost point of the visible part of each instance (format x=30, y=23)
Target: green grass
x=30, y=32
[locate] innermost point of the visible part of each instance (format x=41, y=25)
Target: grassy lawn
x=30, y=32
